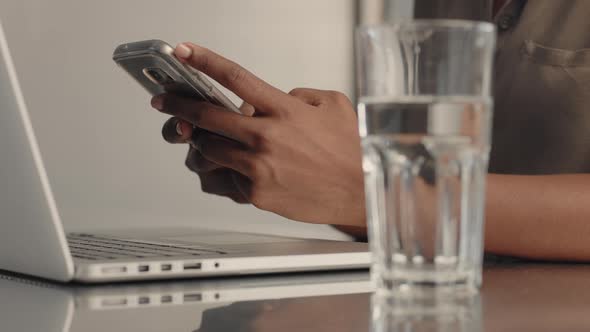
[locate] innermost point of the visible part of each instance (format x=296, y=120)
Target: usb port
x=166, y=267
x=166, y=299
x=192, y=266
x=143, y=268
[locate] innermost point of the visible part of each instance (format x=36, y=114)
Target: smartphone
x=153, y=65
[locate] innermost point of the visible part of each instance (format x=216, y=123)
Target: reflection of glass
x=425, y=119
x=426, y=313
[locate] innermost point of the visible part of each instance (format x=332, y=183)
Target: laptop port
x=166, y=267
x=143, y=268
x=143, y=300
x=114, y=302
x=114, y=269
x=192, y=266
x=192, y=297
x=166, y=299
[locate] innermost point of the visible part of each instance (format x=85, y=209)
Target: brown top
x=542, y=88
x=542, y=81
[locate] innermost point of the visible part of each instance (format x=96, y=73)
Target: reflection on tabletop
x=515, y=297
x=426, y=312
x=222, y=304
x=326, y=313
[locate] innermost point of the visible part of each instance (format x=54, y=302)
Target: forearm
x=358, y=233
x=540, y=217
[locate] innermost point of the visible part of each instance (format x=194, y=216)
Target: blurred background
x=100, y=140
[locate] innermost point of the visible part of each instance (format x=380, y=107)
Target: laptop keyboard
x=93, y=247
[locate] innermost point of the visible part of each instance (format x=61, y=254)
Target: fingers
x=247, y=109
x=225, y=152
x=220, y=182
x=243, y=184
x=215, y=179
x=176, y=130
x=208, y=116
x=243, y=83
x=197, y=163
x=237, y=197
x=309, y=96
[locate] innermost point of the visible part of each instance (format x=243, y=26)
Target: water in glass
x=425, y=162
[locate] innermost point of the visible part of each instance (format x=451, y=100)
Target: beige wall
x=99, y=137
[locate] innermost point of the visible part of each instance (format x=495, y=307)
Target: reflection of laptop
x=32, y=240
x=30, y=305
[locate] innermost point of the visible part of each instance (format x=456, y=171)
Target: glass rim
x=477, y=26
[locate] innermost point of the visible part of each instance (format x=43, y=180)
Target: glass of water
x=425, y=111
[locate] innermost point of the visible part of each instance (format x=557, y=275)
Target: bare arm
x=540, y=217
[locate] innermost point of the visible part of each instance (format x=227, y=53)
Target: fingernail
x=158, y=102
x=183, y=51
x=178, y=128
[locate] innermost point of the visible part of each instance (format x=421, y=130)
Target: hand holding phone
x=153, y=65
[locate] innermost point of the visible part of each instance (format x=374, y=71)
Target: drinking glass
x=425, y=109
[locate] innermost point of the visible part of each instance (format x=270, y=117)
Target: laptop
x=33, y=241
x=196, y=305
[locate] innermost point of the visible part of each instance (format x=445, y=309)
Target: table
x=516, y=297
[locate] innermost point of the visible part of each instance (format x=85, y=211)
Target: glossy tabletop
x=516, y=297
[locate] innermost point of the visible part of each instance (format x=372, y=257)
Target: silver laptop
x=209, y=305
x=32, y=239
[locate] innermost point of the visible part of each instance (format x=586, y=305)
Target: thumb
x=234, y=77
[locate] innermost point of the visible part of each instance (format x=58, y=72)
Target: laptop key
x=118, y=248
x=83, y=256
x=122, y=251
